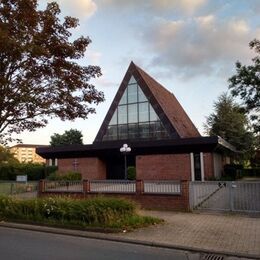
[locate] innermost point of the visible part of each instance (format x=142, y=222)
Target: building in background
x=27, y=153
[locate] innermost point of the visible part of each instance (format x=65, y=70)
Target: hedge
x=33, y=171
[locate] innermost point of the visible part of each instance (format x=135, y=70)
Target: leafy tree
x=230, y=122
x=246, y=84
x=72, y=136
x=39, y=75
x=6, y=157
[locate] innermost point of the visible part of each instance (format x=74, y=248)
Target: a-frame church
x=165, y=144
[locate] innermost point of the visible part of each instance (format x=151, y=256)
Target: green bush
x=232, y=172
x=253, y=172
x=131, y=173
x=68, y=176
x=33, y=171
x=98, y=212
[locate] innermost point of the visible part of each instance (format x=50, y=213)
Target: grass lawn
x=5, y=188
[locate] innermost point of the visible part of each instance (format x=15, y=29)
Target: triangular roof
x=169, y=110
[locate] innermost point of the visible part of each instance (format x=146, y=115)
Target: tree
x=230, y=122
x=6, y=157
x=39, y=75
x=73, y=136
x=246, y=84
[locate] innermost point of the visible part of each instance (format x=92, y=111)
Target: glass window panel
x=133, y=131
x=143, y=112
x=132, y=93
x=153, y=115
x=132, y=80
x=122, y=114
x=132, y=113
x=113, y=120
x=155, y=130
x=122, y=132
x=141, y=95
x=111, y=133
x=123, y=99
x=144, y=130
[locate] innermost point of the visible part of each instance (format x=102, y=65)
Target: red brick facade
x=148, y=167
x=163, y=167
x=90, y=168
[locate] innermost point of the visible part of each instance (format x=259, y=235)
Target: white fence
x=113, y=186
x=63, y=186
x=229, y=196
x=162, y=187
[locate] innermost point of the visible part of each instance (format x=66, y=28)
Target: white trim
x=192, y=167
x=56, y=162
x=202, y=166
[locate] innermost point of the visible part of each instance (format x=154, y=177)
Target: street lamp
x=124, y=150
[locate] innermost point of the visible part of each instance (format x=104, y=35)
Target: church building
x=165, y=144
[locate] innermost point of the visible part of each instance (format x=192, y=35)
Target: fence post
x=231, y=195
x=86, y=186
x=185, y=193
x=139, y=187
x=41, y=187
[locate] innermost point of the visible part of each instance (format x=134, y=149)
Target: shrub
x=232, y=171
x=33, y=171
x=251, y=172
x=131, y=173
x=68, y=176
x=98, y=212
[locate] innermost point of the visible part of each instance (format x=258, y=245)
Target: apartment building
x=27, y=153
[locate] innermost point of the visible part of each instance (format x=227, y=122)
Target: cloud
x=200, y=45
x=185, y=6
x=76, y=8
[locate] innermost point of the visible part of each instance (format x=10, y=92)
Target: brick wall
x=90, y=168
x=147, y=201
x=208, y=165
x=163, y=167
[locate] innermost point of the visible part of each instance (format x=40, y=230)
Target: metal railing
x=162, y=187
x=13, y=187
x=63, y=186
x=234, y=196
x=115, y=186
x=112, y=186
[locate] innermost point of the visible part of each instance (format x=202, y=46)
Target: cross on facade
x=75, y=164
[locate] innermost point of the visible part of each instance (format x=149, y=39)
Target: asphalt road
x=22, y=244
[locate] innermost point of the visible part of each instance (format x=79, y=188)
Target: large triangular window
x=134, y=118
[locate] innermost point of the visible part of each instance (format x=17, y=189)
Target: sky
x=189, y=46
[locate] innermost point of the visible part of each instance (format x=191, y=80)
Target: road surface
x=23, y=244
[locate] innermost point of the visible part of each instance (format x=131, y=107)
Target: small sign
x=21, y=178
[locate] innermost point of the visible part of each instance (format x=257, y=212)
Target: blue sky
x=189, y=46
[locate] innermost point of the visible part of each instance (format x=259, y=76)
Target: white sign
x=21, y=178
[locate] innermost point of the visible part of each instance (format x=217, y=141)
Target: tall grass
x=98, y=212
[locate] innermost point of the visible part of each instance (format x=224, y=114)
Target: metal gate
x=229, y=196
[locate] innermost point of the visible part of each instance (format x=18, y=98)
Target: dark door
x=197, y=167
x=116, y=166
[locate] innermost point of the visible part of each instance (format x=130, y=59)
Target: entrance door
x=116, y=166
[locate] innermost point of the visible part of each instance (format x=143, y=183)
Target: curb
x=107, y=237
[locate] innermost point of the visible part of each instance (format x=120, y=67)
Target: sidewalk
x=234, y=235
